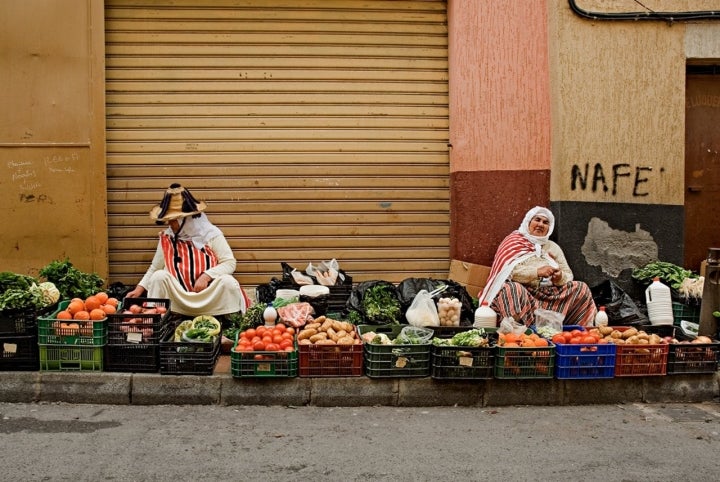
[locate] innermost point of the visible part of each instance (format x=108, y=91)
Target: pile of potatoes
x=326, y=331
x=629, y=336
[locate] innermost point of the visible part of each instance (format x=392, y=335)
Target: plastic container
x=659, y=303
x=485, y=317
x=601, y=318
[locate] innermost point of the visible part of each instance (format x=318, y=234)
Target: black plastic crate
x=693, y=358
x=187, y=358
x=18, y=322
x=19, y=353
x=336, y=302
x=462, y=362
x=138, y=328
x=391, y=361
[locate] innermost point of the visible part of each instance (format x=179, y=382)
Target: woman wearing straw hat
x=193, y=264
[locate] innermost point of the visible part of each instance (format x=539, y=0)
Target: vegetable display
x=381, y=305
x=21, y=292
x=70, y=281
x=471, y=338
x=327, y=331
x=263, y=339
x=669, y=273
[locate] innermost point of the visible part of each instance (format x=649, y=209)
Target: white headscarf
x=199, y=230
x=537, y=210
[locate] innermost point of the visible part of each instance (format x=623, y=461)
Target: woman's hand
x=201, y=283
x=136, y=293
x=549, y=272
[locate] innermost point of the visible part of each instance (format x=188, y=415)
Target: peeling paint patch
x=615, y=250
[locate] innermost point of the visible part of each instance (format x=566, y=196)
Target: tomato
x=267, y=339
x=272, y=347
x=277, y=338
x=589, y=340
x=290, y=330
x=243, y=348
x=276, y=332
x=558, y=338
x=259, y=346
x=249, y=334
x=567, y=335
x=286, y=343
x=575, y=333
x=287, y=336
x=260, y=330
x=280, y=326
x=576, y=340
x=255, y=339
x=290, y=348
x=259, y=357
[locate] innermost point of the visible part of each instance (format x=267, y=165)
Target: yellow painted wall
x=499, y=85
x=618, y=107
x=52, y=141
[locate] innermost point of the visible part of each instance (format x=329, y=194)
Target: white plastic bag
x=422, y=311
x=300, y=278
x=548, y=322
x=326, y=272
x=509, y=325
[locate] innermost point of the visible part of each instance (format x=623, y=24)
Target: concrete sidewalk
x=223, y=389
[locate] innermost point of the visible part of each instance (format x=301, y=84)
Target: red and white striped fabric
x=513, y=249
x=185, y=261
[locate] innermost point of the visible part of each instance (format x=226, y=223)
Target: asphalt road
x=639, y=442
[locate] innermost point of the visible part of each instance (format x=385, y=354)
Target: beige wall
x=52, y=142
x=618, y=108
x=499, y=85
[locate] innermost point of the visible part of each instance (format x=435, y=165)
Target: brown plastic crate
x=641, y=360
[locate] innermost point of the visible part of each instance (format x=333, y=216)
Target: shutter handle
x=694, y=188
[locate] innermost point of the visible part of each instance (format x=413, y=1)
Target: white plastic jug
x=485, y=317
x=659, y=303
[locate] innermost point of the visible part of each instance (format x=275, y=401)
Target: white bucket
x=287, y=294
x=659, y=303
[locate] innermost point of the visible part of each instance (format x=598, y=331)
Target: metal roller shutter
x=314, y=129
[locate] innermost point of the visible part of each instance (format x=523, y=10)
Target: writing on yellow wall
x=621, y=177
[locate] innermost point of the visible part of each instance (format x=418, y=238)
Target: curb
x=223, y=389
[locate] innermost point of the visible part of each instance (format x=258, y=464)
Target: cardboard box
x=472, y=276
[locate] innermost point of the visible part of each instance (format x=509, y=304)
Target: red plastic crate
x=330, y=360
x=641, y=360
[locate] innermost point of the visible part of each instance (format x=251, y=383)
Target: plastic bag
x=326, y=272
x=422, y=311
x=414, y=335
x=376, y=301
x=509, y=325
x=619, y=306
x=409, y=287
x=548, y=323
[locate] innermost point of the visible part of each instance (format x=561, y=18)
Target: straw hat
x=176, y=203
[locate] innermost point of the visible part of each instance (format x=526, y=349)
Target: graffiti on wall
x=621, y=177
x=28, y=176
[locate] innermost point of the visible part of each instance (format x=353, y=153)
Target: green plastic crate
x=71, y=358
x=520, y=363
x=685, y=312
x=264, y=364
x=87, y=333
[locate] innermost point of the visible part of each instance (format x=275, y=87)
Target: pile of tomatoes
x=579, y=337
x=265, y=338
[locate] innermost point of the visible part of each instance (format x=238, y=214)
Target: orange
x=92, y=303
x=102, y=296
x=511, y=345
x=97, y=314
x=81, y=315
x=64, y=315
x=112, y=301
x=511, y=338
x=75, y=306
x=108, y=309
x=541, y=342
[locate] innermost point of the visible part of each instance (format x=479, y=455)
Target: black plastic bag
x=408, y=288
x=373, y=314
x=118, y=290
x=265, y=293
x=619, y=306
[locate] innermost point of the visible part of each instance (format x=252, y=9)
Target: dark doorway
x=702, y=162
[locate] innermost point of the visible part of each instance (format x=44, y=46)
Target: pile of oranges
x=524, y=340
x=93, y=308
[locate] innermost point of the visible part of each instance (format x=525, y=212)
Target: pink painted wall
x=499, y=85
x=499, y=120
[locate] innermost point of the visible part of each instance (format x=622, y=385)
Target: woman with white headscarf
x=193, y=264
x=530, y=272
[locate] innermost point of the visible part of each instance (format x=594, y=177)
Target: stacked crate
x=18, y=340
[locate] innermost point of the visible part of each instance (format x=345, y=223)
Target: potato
x=616, y=334
x=327, y=324
x=306, y=333
x=320, y=320
x=314, y=326
x=629, y=332
x=655, y=339
x=317, y=337
x=304, y=341
x=346, y=340
x=349, y=327
x=337, y=326
x=332, y=334
x=605, y=330
x=325, y=342
x=341, y=333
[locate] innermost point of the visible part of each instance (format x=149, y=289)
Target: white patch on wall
x=614, y=250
